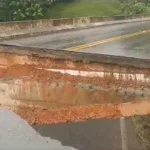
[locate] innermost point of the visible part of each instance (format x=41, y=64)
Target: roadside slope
x=84, y=8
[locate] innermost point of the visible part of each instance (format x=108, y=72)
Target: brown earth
x=81, y=113
x=32, y=72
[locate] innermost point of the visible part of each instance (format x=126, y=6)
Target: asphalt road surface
x=94, y=134
x=100, y=134
x=130, y=40
x=17, y=134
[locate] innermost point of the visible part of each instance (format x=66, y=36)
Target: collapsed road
x=51, y=88
x=80, y=99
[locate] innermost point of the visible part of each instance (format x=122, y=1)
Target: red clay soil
x=74, y=114
x=43, y=116
x=78, y=114
x=32, y=72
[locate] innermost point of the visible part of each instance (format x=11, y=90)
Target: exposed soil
x=32, y=72
x=82, y=113
x=62, y=115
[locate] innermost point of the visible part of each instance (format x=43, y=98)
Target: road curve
x=130, y=40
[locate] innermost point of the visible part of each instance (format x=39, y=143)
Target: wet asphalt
x=93, y=135
x=137, y=46
x=17, y=134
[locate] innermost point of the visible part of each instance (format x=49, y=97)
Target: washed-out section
x=48, y=95
x=118, y=76
x=71, y=86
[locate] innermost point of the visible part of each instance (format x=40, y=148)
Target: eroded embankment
x=44, y=87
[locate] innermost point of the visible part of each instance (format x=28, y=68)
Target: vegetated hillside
x=84, y=8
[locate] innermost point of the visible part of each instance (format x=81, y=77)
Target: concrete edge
x=75, y=56
x=119, y=22
x=71, y=28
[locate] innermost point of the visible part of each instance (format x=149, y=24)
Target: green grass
x=85, y=8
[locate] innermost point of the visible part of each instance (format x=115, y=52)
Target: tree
x=26, y=9
x=133, y=7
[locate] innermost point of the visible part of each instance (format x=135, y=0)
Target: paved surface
x=89, y=135
x=16, y=134
x=132, y=46
x=94, y=135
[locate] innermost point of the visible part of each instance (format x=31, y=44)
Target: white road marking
x=123, y=134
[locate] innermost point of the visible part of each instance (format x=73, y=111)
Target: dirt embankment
x=80, y=113
x=33, y=72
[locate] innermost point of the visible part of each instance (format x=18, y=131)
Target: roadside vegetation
x=85, y=8
x=142, y=126
x=133, y=7
x=16, y=10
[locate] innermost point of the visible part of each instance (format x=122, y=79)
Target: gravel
x=16, y=133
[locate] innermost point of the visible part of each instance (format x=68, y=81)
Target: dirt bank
x=77, y=114
x=65, y=114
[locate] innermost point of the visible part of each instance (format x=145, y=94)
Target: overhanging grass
x=85, y=8
x=142, y=126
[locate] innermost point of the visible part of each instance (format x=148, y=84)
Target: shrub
x=26, y=9
x=133, y=7
x=139, y=8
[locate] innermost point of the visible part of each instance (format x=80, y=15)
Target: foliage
x=27, y=9
x=142, y=127
x=133, y=7
x=38, y=9
x=139, y=8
